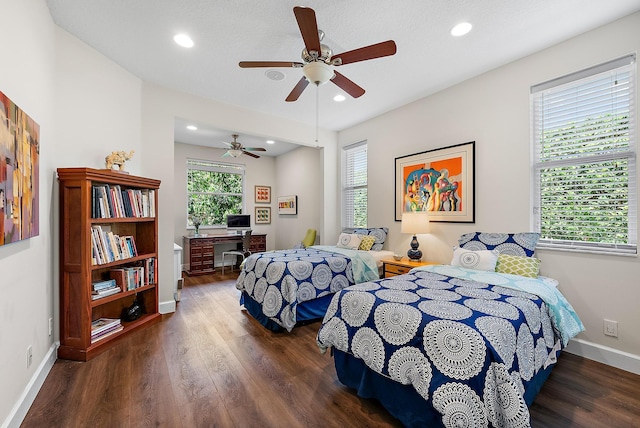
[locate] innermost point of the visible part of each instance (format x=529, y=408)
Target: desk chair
x=246, y=243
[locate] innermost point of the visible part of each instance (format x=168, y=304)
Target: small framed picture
x=263, y=194
x=288, y=205
x=263, y=215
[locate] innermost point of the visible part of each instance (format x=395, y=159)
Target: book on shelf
x=115, y=202
x=105, y=292
x=107, y=247
x=102, y=324
x=106, y=333
x=100, y=285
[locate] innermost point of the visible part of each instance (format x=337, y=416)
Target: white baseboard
x=30, y=392
x=605, y=355
x=167, y=307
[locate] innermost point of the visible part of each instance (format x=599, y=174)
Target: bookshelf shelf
x=97, y=238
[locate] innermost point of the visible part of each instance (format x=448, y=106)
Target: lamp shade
x=415, y=222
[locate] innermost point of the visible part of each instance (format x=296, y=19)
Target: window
x=584, y=160
x=213, y=191
x=354, y=185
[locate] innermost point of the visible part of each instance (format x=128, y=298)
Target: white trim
x=605, y=355
x=167, y=307
x=20, y=409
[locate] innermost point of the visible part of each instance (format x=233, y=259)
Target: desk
x=200, y=251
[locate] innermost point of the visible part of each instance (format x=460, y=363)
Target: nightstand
x=391, y=267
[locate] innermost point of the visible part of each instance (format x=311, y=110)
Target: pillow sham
x=366, y=242
x=348, y=240
x=479, y=260
x=380, y=233
x=514, y=244
x=518, y=265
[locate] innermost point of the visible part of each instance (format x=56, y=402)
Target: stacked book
x=104, y=288
x=104, y=327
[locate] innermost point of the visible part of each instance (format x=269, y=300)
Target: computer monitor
x=239, y=222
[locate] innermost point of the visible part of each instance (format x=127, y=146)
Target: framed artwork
x=263, y=194
x=439, y=181
x=263, y=215
x=19, y=173
x=288, y=204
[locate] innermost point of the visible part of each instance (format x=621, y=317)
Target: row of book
x=106, y=288
x=104, y=327
x=115, y=202
x=107, y=247
x=143, y=272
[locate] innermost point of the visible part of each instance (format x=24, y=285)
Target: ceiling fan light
x=235, y=152
x=317, y=72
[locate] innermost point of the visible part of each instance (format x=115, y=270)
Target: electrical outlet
x=611, y=328
x=29, y=356
x=50, y=326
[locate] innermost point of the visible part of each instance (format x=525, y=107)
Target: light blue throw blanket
x=363, y=265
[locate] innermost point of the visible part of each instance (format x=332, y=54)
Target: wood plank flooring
x=211, y=365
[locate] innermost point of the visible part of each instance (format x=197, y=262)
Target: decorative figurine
x=118, y=158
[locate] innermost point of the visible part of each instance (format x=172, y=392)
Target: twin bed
x=466, y=344
x=285, y=287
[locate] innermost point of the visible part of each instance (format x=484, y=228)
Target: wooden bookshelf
x=79, y=269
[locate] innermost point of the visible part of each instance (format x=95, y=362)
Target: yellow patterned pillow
x=367, y=242
x=518, y=265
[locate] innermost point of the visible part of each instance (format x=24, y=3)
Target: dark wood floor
x=211, y=365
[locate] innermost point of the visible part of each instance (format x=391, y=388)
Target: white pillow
x=478, y=260
x=350, y=241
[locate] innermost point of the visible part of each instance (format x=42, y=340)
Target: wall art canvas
x=440, y=182
x=263, y=215
x=288, y=204
x=263, y=194
x=19, y=173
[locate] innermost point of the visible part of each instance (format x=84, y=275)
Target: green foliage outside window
x=213, y=193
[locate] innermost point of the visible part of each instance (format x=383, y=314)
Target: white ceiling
x=138, y=35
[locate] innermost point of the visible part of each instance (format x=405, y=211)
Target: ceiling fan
x=236, y=149
x=319, y=61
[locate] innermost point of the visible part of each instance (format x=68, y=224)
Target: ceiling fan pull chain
x=317, y=110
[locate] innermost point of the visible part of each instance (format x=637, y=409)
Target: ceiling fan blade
x=306, y=18
x=347, y=85
x=255, y=149
x=297, y=90
x=368, y=52
x=255, y=64
x=250, y=154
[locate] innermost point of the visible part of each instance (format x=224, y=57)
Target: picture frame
x=288, y=205
x=440, y=182
x=263, y=194
x=263, y=215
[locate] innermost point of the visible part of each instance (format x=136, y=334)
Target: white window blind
x=584, y=160
x=354, y=185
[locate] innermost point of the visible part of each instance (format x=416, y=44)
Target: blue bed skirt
x=402, y=401
x=311, y=310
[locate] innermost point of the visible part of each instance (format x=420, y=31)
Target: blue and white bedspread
x=469, y=342
x=279, y=280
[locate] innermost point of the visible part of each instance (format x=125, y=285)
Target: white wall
x=493, y=110
x=298, y=173
x=258, y=172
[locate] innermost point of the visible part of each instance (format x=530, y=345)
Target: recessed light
x=461, y=29
x=183, y=40
x=192, y=127
x=339, y=98
x=270, y=142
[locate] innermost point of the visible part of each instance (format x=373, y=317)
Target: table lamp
x=415, y=222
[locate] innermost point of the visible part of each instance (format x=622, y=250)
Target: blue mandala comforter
x=279, y=280
x=469, y=342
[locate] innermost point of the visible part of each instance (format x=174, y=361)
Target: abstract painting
x=19, y=173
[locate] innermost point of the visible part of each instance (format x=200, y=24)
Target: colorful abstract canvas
x=19, y=173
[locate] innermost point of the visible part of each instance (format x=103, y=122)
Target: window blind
x=354, y=185
x=584, y=160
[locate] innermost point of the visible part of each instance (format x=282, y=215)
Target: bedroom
x=77, y=95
